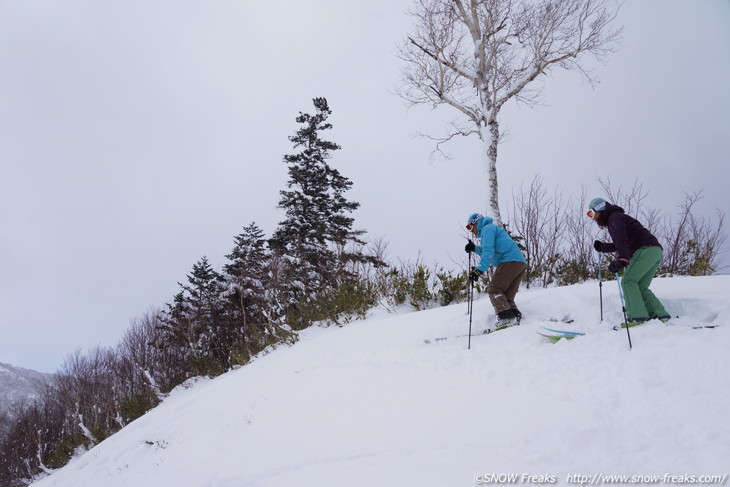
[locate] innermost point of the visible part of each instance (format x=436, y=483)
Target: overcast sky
x=138, y=136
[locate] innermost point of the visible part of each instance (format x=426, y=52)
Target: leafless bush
x=578, y=259
x=692, y=245
x=540, y=220
x=557, y=237
x=151, y=364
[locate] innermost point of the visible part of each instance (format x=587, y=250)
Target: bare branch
x=443, y=62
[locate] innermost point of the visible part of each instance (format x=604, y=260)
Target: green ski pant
x=640, y=301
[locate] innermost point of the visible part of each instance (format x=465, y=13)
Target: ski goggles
x=591, y=214
x=471, y=226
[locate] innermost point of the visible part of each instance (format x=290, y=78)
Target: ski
x=565, y=332
x=557, y=335
x=499, y=328
x=565, y=319
x=557, y=338
x=623, y=326
x=443, y=339
x=485, y=332
x=694, y=326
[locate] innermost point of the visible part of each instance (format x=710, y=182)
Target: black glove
x=617, y=265
x=469, y=247
x=598, y=245
x=475, y=274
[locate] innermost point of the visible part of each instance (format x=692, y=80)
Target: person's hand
x=598, y=245
x=617, y=265
x=469, y=247
x=475, y=274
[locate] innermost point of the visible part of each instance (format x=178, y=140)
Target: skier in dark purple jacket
x=638, y=251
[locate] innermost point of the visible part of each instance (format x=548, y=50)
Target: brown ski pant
x=505, y=283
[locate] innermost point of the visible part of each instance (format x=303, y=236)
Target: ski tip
x=564, y=332
x=556, y=338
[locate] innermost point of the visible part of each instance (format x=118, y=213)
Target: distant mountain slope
x=19, y=386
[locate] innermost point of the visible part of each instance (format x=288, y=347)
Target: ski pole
x=600, y=283
x=468, y=270
x=623, y=308
x=471, y=299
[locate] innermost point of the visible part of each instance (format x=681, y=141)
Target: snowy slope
x=373, y=404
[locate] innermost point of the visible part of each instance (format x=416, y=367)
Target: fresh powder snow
x=387, y=402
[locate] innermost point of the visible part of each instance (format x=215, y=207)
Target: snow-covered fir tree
x=317, y=228
x=246, y=274
x=197, y=321
x=250, y=295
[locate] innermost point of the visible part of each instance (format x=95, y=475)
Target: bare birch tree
x=476, y=55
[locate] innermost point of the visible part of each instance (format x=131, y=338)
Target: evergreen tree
x=197, y=322
x=315, y=206
x=247, y=275
x=317, y=228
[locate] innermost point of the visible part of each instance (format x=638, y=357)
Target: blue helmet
x=474, y=218
x=597, y=204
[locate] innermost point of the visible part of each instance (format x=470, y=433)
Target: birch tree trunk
x=490, y=143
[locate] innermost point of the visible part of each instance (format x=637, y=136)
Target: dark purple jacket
x=628, y=234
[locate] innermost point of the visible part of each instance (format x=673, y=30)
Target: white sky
x=138, y=136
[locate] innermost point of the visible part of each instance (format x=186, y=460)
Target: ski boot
x=505, y=319
x=631, y=322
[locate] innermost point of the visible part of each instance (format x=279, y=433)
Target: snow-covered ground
x=373, y=404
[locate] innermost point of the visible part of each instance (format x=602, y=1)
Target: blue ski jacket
x=496, y=246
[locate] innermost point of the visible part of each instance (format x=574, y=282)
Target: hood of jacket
x=486, y=220
x=611, y=208
x=608, y=211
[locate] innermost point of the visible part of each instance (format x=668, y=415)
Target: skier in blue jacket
x=496, y=248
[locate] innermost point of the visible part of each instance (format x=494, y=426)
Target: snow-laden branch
x=468, y=111
x=86, y=431
x=443, y=62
